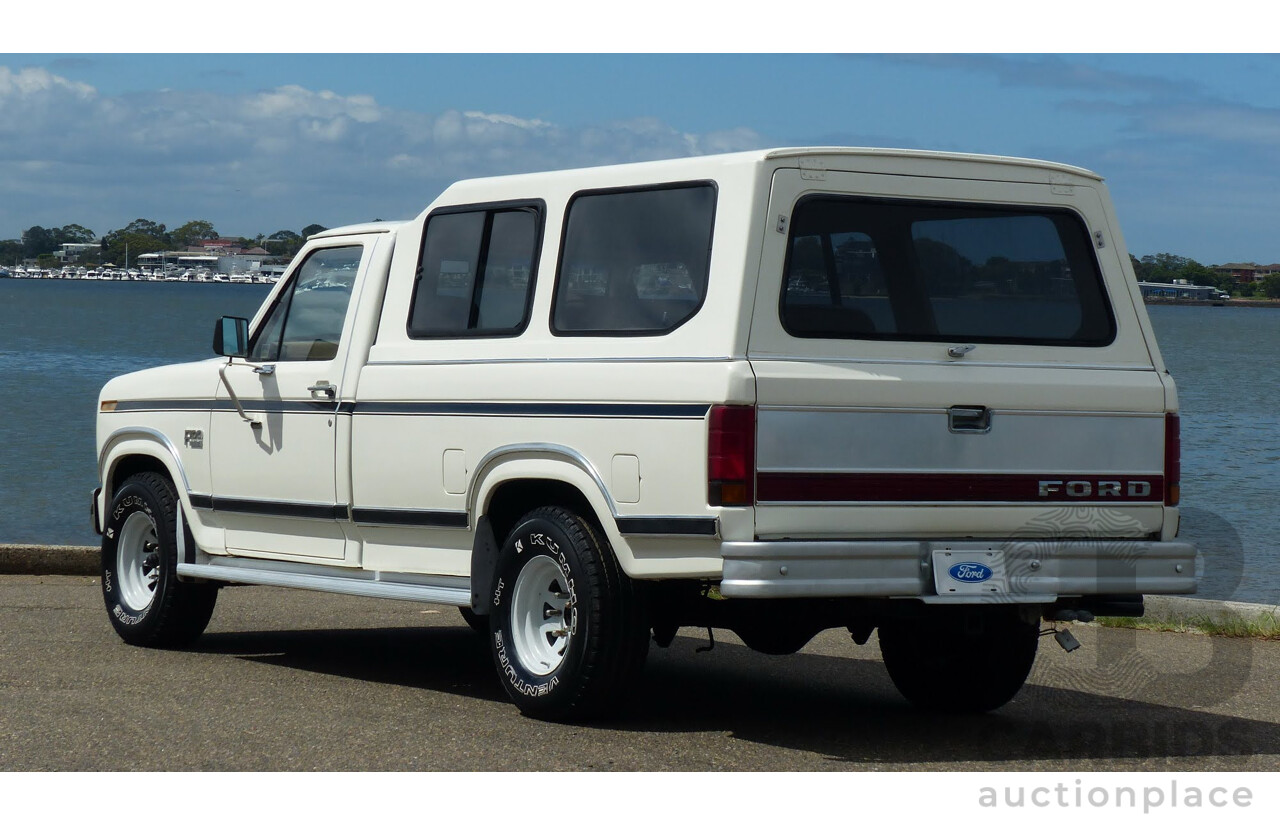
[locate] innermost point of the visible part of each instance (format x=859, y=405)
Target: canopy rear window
x=925, y=271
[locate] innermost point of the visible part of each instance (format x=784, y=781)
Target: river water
x=61, y=340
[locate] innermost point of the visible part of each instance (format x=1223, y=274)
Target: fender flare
x=534, y=462
x=140, y=441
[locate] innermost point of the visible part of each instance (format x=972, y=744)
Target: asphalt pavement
x=298, y=681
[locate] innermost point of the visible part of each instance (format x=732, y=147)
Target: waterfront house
x=1247, y=273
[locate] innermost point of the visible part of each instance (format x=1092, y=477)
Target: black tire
x=479, y=624
x=568, y=631
x=146, y=603
x=971, y=665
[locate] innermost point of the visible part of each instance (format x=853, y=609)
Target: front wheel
x=145, y=600
x=566, y=628
x=973, y=664
x=479, y=624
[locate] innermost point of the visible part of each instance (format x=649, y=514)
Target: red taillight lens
x=731, y=457
x=1172, y=459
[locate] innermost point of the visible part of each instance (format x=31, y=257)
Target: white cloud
x=295, y=101
x=35, y=82
x=510, y=120
x=256, y=162
x=1221, y=122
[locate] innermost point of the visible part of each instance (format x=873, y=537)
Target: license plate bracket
x=969, y=570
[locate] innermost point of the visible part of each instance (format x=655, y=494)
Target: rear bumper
x=1021, y=571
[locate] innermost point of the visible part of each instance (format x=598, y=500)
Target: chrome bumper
x=1025, y=571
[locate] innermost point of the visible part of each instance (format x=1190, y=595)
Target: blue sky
x=1189, y=144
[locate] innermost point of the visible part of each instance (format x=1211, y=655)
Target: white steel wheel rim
x=138, y=561
x=540, y=616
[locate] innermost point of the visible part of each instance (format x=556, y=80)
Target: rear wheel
x=971, y=665
x=145, y=601
x=567, y=630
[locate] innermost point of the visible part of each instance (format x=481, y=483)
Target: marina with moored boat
x=171, y=272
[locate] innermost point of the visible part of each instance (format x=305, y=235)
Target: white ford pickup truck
x=774, y=392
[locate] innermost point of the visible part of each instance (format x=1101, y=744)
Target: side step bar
x=433, y=589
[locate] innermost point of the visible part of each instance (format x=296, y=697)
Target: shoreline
x=1265, y=303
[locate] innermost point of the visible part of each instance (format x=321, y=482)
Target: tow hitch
x=1065, y=639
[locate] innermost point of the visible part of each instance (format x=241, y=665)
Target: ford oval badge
x=970, y=571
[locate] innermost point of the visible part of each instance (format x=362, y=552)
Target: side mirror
x=231, y=337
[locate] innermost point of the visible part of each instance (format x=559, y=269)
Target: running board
x=452, y=590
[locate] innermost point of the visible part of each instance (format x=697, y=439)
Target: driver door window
x=306, y=322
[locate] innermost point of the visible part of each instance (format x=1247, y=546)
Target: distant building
x=1245, y=273
x=228, y=255
x=241, y=263
x=72, y=251
x=197, y=261
x=1183, y=291
x=226, y=246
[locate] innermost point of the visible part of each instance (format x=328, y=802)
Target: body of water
x=61, y=340
x=1224, y=360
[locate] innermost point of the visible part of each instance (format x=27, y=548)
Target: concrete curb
x=49, y=560
x=53, y=560
x=1176, y=608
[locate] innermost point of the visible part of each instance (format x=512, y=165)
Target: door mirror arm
x=248, y=419
x=231, y=338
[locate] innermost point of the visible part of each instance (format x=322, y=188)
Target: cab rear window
x=476, y=271
x=925, y=271
x=634, y=261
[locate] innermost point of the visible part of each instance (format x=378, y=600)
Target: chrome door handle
x=325, y=387
x=265, y=369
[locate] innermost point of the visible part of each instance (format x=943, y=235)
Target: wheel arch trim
x=547, y=462
x=488, y=466
x=145, y=441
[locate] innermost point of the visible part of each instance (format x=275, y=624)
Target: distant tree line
x=1166, y=268
x=141, y=236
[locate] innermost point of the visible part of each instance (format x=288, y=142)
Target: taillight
x=1172, y=459
x=731, y=457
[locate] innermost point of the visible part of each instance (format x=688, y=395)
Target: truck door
x=274, y=432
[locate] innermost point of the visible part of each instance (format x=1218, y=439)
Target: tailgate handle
x=969, y=420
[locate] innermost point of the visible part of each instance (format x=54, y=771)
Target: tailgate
x=916, y=450
x=941, y=358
